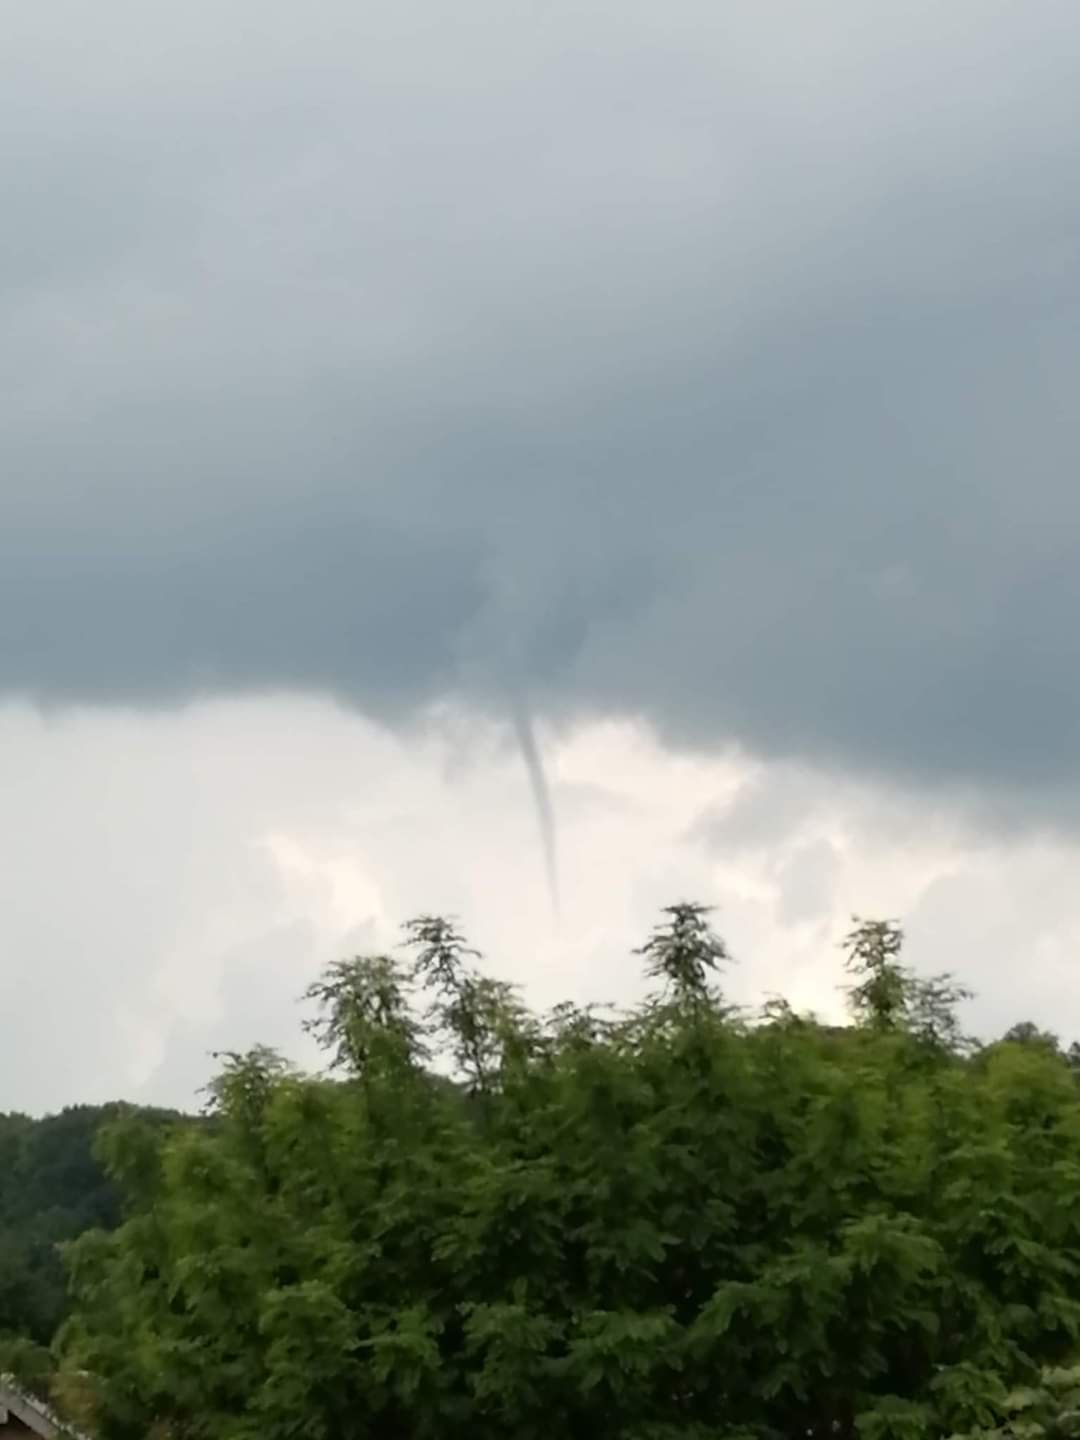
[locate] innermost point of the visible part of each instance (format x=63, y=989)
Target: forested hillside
x=679, y=1222
x=52, y=1188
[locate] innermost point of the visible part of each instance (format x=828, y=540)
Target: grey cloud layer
x=715, y=363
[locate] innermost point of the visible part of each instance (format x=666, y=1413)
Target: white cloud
x=170, y=883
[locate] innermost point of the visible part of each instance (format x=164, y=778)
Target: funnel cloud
x=737, y=343
x=525, y=732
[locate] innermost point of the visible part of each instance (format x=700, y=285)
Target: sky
x=689, y=387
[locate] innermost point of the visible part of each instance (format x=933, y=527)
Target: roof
x=33, y=1413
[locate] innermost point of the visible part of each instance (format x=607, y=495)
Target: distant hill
x=52, y=1188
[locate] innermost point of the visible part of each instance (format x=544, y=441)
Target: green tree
x=53, y=1187
x=671, y=1222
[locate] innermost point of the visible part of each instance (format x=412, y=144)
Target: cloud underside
x=170, y=884
x=716, y=367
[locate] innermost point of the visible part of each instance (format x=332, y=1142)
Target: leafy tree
x=52, y=1188
x=684, y=953
x=671, y=1222
x=887, y=995
x=881, y=994
x=1049, y=1407
x=478, y=1019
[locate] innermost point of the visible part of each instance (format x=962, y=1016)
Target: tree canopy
x=681, y=1221
x=53, y=1187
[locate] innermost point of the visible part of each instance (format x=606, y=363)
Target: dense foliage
x=53, y=1187
x=679, y=1222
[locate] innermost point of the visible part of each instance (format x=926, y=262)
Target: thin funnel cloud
x=525, y=730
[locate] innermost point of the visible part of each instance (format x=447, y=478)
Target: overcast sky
x=699, y=376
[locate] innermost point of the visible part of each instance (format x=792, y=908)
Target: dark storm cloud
x=713, y=363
